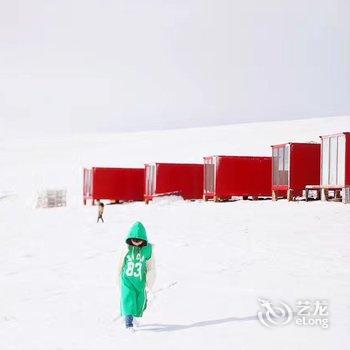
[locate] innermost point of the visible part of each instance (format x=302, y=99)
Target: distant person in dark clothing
x=101, y=208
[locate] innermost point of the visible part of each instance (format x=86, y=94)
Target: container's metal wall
x=184, y=179
x=243, y=176
x=120, y=184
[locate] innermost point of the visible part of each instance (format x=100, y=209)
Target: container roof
x=116, y=168
x=338, y=134
x=165, y=163
x=296, y=143
x=234, y=156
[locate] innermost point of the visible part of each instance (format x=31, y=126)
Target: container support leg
x=274, y=196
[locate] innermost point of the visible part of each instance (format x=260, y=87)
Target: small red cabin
x=181, y=179
x=228, y=176
x=294, y=165
x=115, y=184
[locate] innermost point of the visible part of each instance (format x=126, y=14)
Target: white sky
x=111, y=65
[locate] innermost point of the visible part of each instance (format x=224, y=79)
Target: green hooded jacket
x=134, y=273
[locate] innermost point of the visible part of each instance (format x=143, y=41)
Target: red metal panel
x=243, y=176
x=304, y=166
x=347, y=159
x=184, y=179
x=121, y=184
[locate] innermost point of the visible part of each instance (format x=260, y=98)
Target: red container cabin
x=185, y=180
x=294, y=165
x=114, y=184
x=228, y=176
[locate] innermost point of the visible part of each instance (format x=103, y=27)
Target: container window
x=281, y=158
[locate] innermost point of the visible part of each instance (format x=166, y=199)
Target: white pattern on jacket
x=151, y=268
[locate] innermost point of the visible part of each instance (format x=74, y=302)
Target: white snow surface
x=58, y=267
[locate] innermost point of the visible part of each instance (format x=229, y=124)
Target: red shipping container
x=115, y=184
x=228, y=176
x=185, y=180
x=294, y=165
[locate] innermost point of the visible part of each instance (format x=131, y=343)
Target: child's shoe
x=136, y=322
x=130, y=329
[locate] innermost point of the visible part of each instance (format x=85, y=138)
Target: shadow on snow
x=158, y=327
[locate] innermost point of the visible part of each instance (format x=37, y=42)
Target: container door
x=281, y=180
x=90, y=183
x=154, y=179
x=286, y=166
x=333, y=160
x=341, y=160
x=147, y=175
x=281, y=161
x=336, y=163
x=87, y=182
x=325, y=161
x=209, y=175
x=275, y=165
x=150, y=179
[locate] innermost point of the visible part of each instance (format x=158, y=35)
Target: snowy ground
x=57, y=266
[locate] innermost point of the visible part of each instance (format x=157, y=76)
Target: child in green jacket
x=136, y=273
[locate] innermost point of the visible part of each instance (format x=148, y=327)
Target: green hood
x=137, y=231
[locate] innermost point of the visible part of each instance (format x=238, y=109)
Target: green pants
x=133, y=300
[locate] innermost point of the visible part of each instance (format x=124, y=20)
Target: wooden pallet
x=323, y=192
